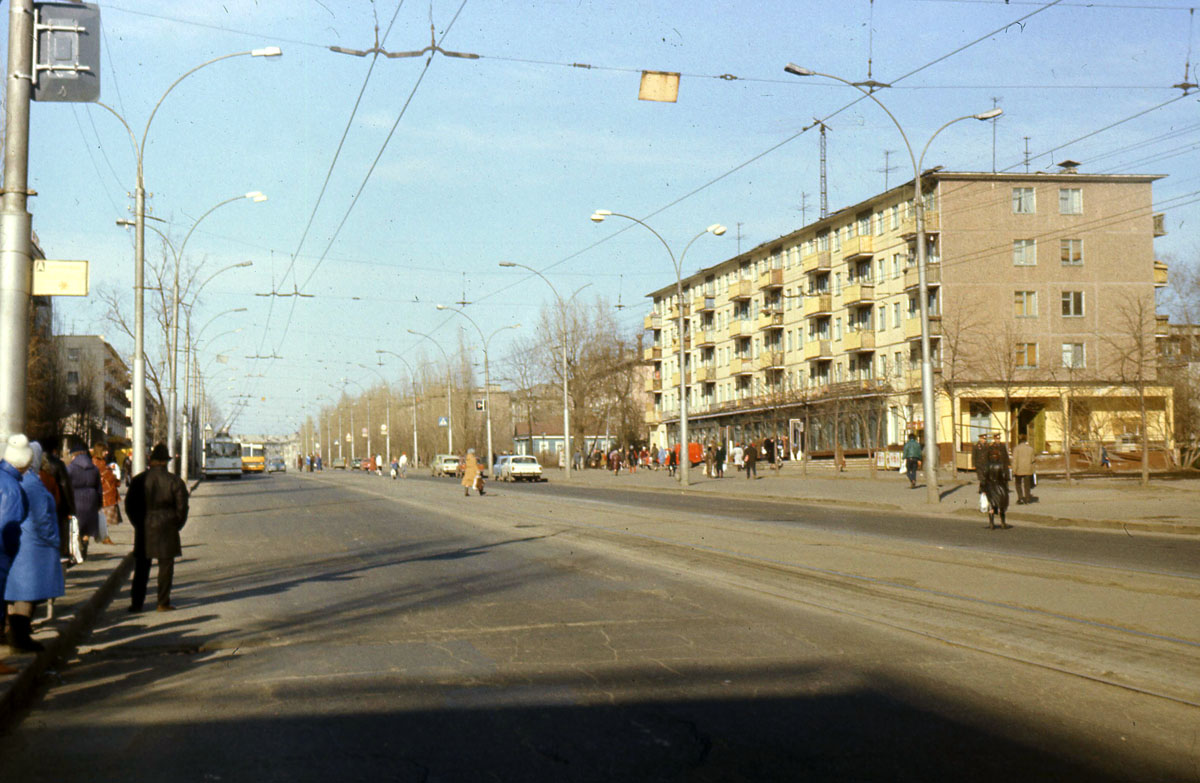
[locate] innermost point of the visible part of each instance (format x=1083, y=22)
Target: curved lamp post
x=139, y=301
x=487, y=375
x=413, y=376
x=929, y=412
x=716, y=229
x=449, y=409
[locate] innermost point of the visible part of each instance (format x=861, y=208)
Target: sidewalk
x=1166, y=506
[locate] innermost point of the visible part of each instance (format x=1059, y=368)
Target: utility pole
x=15, y=221
x=824, y=181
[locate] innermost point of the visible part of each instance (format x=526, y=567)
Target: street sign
x=60, y=278
x=383, y=429
x=478, y=405
x=66, y=52
x=348, y=437
x=364, y=431
x=443, y=421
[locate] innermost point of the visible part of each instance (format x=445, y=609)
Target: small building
x=97, y=387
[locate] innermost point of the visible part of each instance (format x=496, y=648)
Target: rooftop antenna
x=871, y=41
x=739, y=239
x=887, y=168
x=620, y=280
x=804, y=208
x=463, y=302
x=824, y=181
x=1026, y=154
x=1186, y=85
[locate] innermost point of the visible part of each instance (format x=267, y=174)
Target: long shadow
x=811, y=724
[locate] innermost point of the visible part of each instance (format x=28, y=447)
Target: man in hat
x=157, y=506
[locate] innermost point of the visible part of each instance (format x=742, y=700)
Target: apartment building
x=97, y=386
x=1041, y=301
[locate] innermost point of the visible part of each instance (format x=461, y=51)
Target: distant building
x=97, y=387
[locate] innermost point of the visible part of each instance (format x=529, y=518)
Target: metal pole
x=929, y=412
x=16, y=223
x=449, y=412
x=353, y=437
x=187, y=396
x=415, y=458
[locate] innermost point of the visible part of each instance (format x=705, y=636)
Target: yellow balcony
x=861, y=340
x=702, y=303
x=770, y=320
x=933, y=223
x=770, y=360
x=651, y=415
x=859, y=293
x=820, y=304
x=818, y=349
x=1160, y=274
x=1160, y=225
x=933, y=276
x=704, y=374
x=653, y=321
x=704, y=338
x=912, y=327
x=771, y=279
x=741, y=290
x=1162, y=326
x=739, y=329
x=651, y=354
x=740, y=366
x=653, y=384
x=814, y=262
x=858, y=247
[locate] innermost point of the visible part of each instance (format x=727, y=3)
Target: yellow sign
x=60, y=278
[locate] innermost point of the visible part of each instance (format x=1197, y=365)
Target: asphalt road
x=346, y=627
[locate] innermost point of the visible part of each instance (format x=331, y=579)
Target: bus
x=222, y=457
x=254, y=458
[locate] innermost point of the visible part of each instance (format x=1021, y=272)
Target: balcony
x=1162, y=326
x=858, y=294
x=818, y=349
x=673, y=313
x=858, y=247
x=705, y=338
x=913, y=377
x=651, y=415
x=1160, y=274
x=933, y=276
x=819, y=304
x=815, y=262
x=933, y=224
x=653, y=383
x=771, y=279
x=652, y=354
x=770, y=320
x=741, y=290
x=703, y=303
x=687, y=344
x=912, y=327
x=740, y=366
x=861, y=340
x=652, y=321
x=704, y=374
x=739, y=329
x=771, y=360
x=1160, y=225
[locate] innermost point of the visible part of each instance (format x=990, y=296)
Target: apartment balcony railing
x=858, y=247
x=742, y=289
x=740, y=366
x=819, y=304
x=818, y=349
x=1162, y=326
x=705, y=374
x=704, y=338
x=933, y=276
x=858, y=294
x=861, y=340
x=912, y=327
x=739, y=328
x=770, y=320
x=772, y=278
x=817, y=261
x=652, y=321
x=1160, y=225
x=702, y=303
x=653, y=383
x=652, y=354
x=651, y=414
x=933, y=223
x=1160, y=274
x=771, y=360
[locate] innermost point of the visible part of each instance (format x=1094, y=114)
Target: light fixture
x=266, y=51
x=797, y=70
x=989, y=114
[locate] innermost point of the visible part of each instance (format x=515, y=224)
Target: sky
x=449, y=166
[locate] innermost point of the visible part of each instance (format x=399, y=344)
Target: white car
x=520, y=467
x=445, y=465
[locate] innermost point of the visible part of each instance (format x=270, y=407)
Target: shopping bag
x=983, y=503
x=76, y=546
x=1033, y=481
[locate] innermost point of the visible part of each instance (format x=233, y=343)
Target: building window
x=898, y=364
x=1022, y=201
x=1072, y=304
x=72, y=377
x=896, y=315
x=1025, y=304
x=1026, y=355
x=1073, y=356
x=73, y=354
x=837, y=328
x=1070, y=201
x=1071, y=251
x=895, y=265
x=1024, y=252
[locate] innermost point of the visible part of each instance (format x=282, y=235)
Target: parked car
x=356, y=463
x=520, y=467
x=339, y=463
x=445, y=465
x=276, y=465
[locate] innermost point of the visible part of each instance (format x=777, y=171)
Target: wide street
x=349, y=627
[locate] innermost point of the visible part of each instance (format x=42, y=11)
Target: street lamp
x=487, y=376
x=562, y=309
x=184, y=469
x=139, y=334
x=413, y=376
x=716, y=229
x=449, y=410
x=929, y=413
x=353, y=436
x=388, y=425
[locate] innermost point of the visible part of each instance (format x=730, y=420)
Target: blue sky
x=505, y=157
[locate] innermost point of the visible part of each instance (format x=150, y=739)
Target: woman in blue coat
x=36, y=573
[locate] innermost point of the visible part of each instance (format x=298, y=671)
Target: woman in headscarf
x=36, y=572
x=471, y=474
x=109, y=498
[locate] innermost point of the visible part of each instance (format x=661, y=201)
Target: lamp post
x=353, y=436
x=449, y=410
x=139, y=300
x=929, y=412
x=487, y=375
x=388, y=425
x=562, y=309
x=416, y=454
x=716, y=229
x=187, y=374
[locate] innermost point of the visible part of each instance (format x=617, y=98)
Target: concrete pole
x=928, y=403
x=187, y=397
x=415, y=457
x=16, y=269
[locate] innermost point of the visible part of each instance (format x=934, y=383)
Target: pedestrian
x=710, y=461
x=85, y=482
x=769, y=452
x=1023, y=470
x=403, y=464
x=912, y=459
x=471, y=476
x=52, y=464
x=614, y=461
x=378, y=464
x=109, y=497
x=157, y=505
x=979, y=456
x=126, y=467
x=14, y=505
x=36, y=573
x=750, y=457
x=320, y=463
x=719, y=461
x=738, y=454
x=1104, y=461
x=995, y=481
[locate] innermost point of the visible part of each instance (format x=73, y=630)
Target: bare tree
x=962, y=331
x=1132, y=358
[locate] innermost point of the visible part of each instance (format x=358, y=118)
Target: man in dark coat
x=750, y=457
x=157, y=506
x=66, y=501
x=85, y=484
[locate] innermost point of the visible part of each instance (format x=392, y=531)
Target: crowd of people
x=714, y=458
x=52, y=510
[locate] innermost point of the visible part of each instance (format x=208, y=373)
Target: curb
x=1170, y=528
